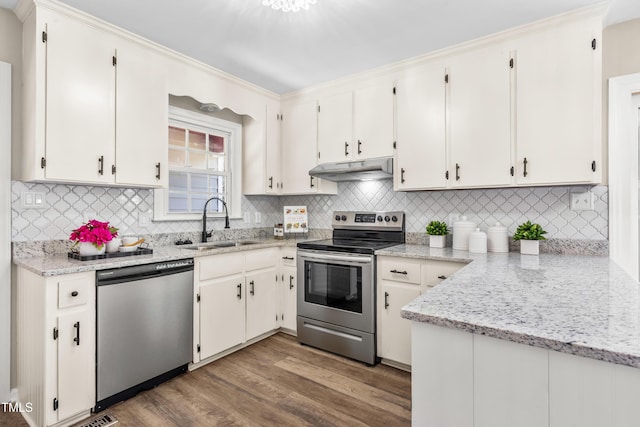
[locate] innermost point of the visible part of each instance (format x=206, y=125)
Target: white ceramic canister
x=478, y=242
x=497, y=238
x=462, y=230
x=114, y=244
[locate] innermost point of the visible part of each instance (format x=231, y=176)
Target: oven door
x=337, y=288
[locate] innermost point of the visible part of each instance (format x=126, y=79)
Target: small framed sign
x=296, y=219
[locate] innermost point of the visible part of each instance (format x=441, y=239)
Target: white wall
x=5, y=231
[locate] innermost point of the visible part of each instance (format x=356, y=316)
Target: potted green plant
x=529, y=235
x=437, y=231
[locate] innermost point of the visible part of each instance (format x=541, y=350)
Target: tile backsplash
x=67, y=206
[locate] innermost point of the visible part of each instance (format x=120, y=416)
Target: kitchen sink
x=219, y=245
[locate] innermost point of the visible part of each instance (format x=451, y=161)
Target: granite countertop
x=581, y=305
x=55, y=265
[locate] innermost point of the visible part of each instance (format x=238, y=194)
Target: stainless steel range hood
x=359, y=170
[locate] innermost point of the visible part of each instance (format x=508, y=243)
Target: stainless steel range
x=336, y=283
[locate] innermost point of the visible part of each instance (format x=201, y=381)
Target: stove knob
x=379, y=218
x=337, y=217
x=394, y=218
x=386, y=218
x=343, y=217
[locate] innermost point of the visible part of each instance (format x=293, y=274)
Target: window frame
x=199, y=122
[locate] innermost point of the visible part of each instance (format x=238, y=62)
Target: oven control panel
x=369, y=220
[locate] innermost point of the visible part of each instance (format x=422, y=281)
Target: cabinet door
x=299, y=134
x=80, y=96
x=142, y=104
x=221, y=315
x=261, y=303
x=479, y=119
x=273, y=150
x=559, y=113
x=420, y=161
x=395, y=331
x=373, y=122
x=335, y=128
x=289, y=298
x=76, y=362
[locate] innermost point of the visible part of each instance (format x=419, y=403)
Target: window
x=203, y=154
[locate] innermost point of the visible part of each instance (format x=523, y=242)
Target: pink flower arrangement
x=95, y=232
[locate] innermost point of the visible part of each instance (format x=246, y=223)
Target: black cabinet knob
x=74, y=293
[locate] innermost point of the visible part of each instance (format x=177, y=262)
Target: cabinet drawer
x=72, y=292
x=405, y=271
x=288, y=256
x=437, y=271
x=262, y=258
x=220, y=266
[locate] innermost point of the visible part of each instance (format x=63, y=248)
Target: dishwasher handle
x=144, y=271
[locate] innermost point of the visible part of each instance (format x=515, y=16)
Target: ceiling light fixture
x=289, y=5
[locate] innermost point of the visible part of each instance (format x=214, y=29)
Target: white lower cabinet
x=400, y=281
x=239, y=297
x=55, y=321
x=462, y=379
x=288, y=290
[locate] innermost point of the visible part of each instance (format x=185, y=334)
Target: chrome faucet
x=206, y=234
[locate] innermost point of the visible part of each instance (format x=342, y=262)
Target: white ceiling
x=284, y=52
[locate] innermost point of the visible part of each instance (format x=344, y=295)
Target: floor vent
x=103, y=421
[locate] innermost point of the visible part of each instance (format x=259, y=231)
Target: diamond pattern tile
x=68, y=206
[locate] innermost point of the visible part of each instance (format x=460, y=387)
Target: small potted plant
x=437, y=232
x=529, y=235
x=91, y=237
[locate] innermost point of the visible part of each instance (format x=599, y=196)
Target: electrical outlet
x=33, y=200
x=582, y=201
x=258, y=218
x=247, y=217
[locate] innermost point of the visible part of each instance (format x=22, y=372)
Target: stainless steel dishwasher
x=144, y=327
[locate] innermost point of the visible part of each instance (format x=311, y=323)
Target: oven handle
x=353, y=259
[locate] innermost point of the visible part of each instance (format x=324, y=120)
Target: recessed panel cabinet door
x=289, y=300
x=420, y=120
x=335, y=128
x=76, y=362
x=396, y=331
x=373, y=122
x=479, y=119
x=80, y=94
x=221, y=303
x=273, y=149
x=299, y=143
x=558, y=91
x=261, y=303
x=141, y=118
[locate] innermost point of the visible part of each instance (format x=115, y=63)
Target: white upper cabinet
x=95, y=105
x=558, y=113
x=79, y=133
x=142, y=104
x=335, y=128
x=356, y=125
x=261, y=153
x=420, y=160
x=273, y=149
x=479, y=118
x=373, y=121
x=299, y=136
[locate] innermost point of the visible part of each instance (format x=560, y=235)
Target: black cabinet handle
x=290, y=258
x=239, y=291
x=457, y=172
x=359, y=145
x=77, y=338
x=386, y=300
x=442, y=277
x=402, y=175
x=311, y=182
x=524, y=172
x=271, y=182
x=158, y=171
x=290, y=282
x=346, y=149
x=101, y=165
x=252, y=289
x=74, y=293
x=399, y=272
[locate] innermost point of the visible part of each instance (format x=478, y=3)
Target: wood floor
x=275, y=382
